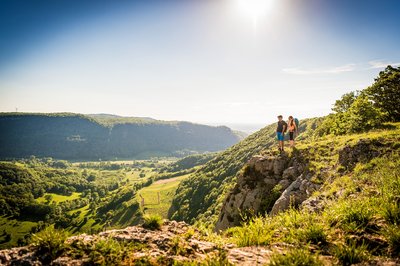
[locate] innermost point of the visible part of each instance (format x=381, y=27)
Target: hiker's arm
x=283, y=129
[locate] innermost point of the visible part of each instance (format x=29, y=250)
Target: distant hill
x=93, y=137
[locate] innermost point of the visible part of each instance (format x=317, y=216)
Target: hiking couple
x=291, y=126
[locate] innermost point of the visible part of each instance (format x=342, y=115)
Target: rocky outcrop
x=266, y=184
x=175, y=242
x=363, y=151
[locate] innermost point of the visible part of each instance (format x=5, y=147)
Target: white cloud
x=381, y=64
x=330, y=70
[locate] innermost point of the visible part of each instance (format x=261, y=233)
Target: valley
x=82, y=197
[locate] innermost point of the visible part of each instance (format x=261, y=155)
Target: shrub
x=350, y=253
x=300, y=257
x=152, y=222
x=50, y=242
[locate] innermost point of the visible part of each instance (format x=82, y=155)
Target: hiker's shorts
x=280, y=136
x=291, y=135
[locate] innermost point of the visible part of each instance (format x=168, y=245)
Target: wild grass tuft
x=391, y=212
x=314, y=234
x=392, y=234
x=350, y=253
x=50, y=242
x=256, y=232
x=107, y=252
x=152, y=222
x=351, y=215
x=295, y=257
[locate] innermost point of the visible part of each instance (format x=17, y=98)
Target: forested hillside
x=77, y=137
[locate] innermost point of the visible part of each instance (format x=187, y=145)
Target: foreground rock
x=174, y=242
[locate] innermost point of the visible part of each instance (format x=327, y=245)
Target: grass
x=166, y=188
x=392, y=234
x=350, y=253
x=57, y=198
x=362, y=205
x=16, y=229
x=50, y=243
x=295, y=257
x=152, y=222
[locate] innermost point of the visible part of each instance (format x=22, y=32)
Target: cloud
x=331, y=70
x=381, y=64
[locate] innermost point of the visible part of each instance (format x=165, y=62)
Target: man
x=280, y=132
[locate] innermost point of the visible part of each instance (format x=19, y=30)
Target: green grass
x=17, y=230
x=166, y=188
x=361, y=205
x=350, y=253
x=295, y=257
x=57, y=198
x=50, y=243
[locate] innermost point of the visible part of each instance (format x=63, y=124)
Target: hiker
x=292, y=127
x=280, y=132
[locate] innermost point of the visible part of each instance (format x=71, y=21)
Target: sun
x=254, y=9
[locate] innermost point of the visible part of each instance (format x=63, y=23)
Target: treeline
x=79, y=137
x=188, y=162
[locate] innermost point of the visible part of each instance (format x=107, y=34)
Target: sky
x=206, y=61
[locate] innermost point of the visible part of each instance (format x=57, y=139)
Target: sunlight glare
x=254, y=9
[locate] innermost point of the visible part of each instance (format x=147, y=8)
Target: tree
x=343, y=105
x=385, y=92
x=364, y=115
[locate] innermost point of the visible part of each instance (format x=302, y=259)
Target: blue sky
x=208, y=61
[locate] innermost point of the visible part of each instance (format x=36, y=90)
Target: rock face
x=266, y=184
x=173, y=243
x=363, y=151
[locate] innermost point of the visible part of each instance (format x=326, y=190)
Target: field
x=166, y=188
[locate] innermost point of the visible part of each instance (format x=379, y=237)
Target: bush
x=350, y=253
x=299, y=257
x=152, y=222
x=50, y=242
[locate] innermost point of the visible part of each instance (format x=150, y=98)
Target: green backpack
x=296, y=121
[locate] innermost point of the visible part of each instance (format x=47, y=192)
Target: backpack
x=296, y=121
x=286, y=126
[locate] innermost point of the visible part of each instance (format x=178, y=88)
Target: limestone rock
x=254, y=191
x=158, y=245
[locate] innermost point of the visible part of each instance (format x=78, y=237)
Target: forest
x=104, y=137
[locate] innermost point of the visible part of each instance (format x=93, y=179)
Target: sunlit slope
x=199, y=197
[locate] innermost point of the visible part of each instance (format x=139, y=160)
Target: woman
x=292, y=128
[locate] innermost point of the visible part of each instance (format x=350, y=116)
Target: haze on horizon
x=214, y=62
